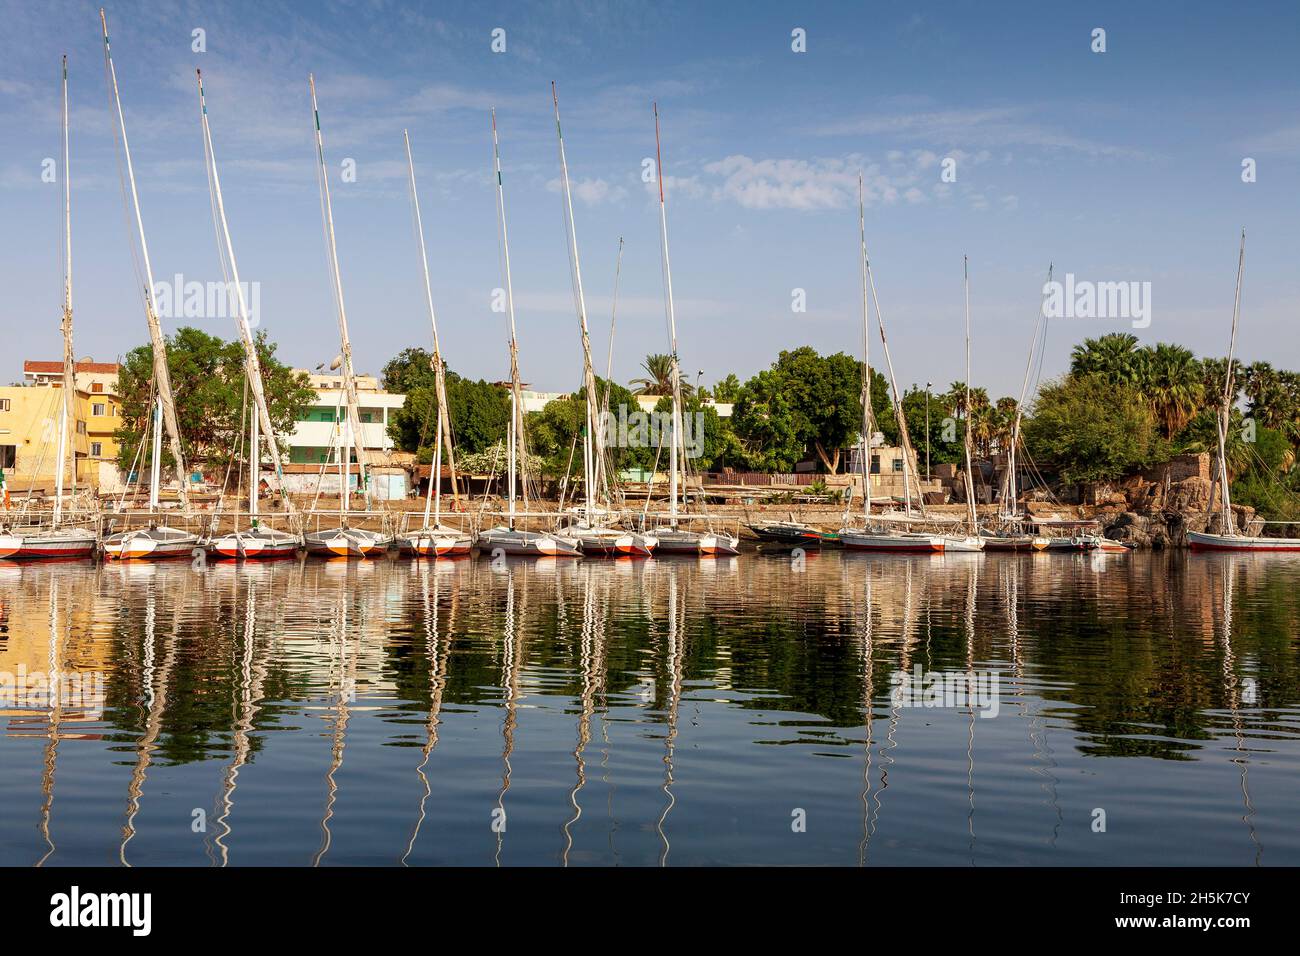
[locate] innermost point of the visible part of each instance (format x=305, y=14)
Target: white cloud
x=592, y=192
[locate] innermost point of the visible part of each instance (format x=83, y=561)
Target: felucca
x=61, y=539
x=157, y=541
x=874, y=535
x=343, y=541
x=436, y=540
x=257, y=541
x=508, y=539
x=969, y=539
x=596, y=538
x=675, y=539
x=1229, y=539
x=1013, y=537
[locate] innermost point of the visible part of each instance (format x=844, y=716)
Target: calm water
x=658, y=712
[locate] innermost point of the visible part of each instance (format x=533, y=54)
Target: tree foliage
x=1090, y=429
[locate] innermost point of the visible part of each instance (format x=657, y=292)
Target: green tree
x=1114, y=357
x=1089, y=428
x=209, y=387
x=727, y=390
x=479, y=410
x=659, y=377
x=1174, y=386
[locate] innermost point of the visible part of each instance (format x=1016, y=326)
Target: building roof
x=46, y=368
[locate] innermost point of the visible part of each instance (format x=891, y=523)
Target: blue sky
x=1122, y=166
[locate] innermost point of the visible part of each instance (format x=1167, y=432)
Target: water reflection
x=650, y=712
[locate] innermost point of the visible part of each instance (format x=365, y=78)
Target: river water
x=765, y=709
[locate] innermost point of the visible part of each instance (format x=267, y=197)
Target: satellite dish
x=337, y=363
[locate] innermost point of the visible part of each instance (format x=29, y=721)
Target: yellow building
x=100, y=420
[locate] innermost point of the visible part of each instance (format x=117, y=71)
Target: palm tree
x=659, y=369
x=1173, y=385
x=1114, y=356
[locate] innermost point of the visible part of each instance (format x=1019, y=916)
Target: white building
x=318, y=435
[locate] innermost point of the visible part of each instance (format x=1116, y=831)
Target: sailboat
x=873, y=536
x=596, y=537
x=60, y=540
x=970, y=540
x=675, y=539
x=436, y=540
x=156, y=541
x=507, y=538
x=256, y=541
x=343, y=541
x=1228, y=539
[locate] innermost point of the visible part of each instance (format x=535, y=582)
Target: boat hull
x=253, y=546
x=528, y=544
x=1204, y=541
x=697, y=543
x=962, y=544
x=789, y=534
x=860, y=540
x=346, y=543
x=436, y=544
x=1014, y=543
x=47, y=546
x=1075, y=543
x=150, y=544
x=611, y=543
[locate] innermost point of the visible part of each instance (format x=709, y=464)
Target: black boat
x=791, y=533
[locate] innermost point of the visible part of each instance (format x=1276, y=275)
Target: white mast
x=867, y=419
x=516, y=442
x=253, y=365
x=899, y=415
x=1013, y=494
x=254, y=466
x=970, y=482
x=592, y=450
x=161, y=373
x=155, y=460
x=1225, y=497
x=68, y=416
x=672, y=331
x=349, y=374
x=439, y=372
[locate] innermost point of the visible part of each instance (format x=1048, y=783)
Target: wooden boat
x=508, y=539
x=1010, y=542
x=433, y=540
x=532, y=544
x=791, y=533
x=345, y=542
x=674, y=538
x=1230, y=539
x=157, y=543
x=31, y=539
x=614, y=543
x=34, y=544
x=1073, y=542
x=256, y=542
x=855, y=539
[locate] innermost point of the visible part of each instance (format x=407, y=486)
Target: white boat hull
x=1204, y=541
x=859, y=539
x=961, y=543
x=528, y=544
x=263, y=544
x=150, y=544
x=613, y=543
x=677, y=541
x=347, y=543
x=47, y=545
x=436, y=543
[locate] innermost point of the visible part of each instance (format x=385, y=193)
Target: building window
x=8, y=455
x=97, y=409
x=81, y=428
x=96, y=386
x=875, y=464
x=898, y=464
x=96, y=449
x=4, y=404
